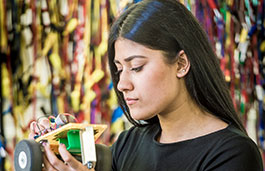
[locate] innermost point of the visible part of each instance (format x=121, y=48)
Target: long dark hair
x=168, y=26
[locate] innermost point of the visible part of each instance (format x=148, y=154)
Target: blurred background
x=54, y=60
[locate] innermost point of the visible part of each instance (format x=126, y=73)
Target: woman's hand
x=51, y=162
x=41, y=127
x=69, y=163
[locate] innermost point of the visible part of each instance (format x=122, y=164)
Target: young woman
x=165, y=72
x=169, y=85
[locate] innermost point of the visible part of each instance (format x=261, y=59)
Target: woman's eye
x=137, y=69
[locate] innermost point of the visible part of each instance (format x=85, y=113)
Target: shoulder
x=134, y=135
x=233, y=137
x=135, y=132
x=234, y=151
x=129, y=140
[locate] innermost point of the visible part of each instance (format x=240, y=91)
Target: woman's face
x=149, y=85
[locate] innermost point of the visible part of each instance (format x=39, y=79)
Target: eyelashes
x=136, y=69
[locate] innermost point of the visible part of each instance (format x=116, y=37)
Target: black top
x=225, y=150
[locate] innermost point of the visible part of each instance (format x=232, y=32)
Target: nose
x=124, y=84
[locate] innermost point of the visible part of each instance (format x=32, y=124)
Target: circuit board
x=52, y=137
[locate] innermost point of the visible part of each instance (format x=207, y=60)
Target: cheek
x=160, y=79
x=156, y=88
x=156, y=94
x=157, y=85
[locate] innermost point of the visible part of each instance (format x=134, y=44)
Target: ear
x=183, y=64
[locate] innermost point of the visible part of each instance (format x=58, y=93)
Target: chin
x=137, y=117
x=140, y=117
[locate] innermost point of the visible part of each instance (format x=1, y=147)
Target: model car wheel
x=28, y=156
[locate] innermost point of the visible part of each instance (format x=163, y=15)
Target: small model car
x=79, y=140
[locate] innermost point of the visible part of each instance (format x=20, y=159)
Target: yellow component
x=113, y=7
x=18, y=111
x=82, y=106
x=95, y=17
x=55, y=14
x=87, y=34
x=49, y=42
x=102, y=48
x=71, y=25
x=31, y=89
x=117, y=126
x=87, y=111
x=39, y=39
x=72, y=8
x=8, y=165
x=112, y=101
x=181, y=1
x=91, y=95
x=227, y=28
x=227, y=76
x=243, y=35
x=55, y=48
x=98, y=57
x=227, y=42
x=96, y=76
x=85, y=106
x=60, y=104
x=56, y=61
x=18, y=116
x=42, y=89
x=75, y=99
x=3, y=33
x=229, y=2
x=80, y=72
x=6, y=85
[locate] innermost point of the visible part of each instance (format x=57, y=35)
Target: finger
x=31, y=135
x=47, y=165
x=33, y=131
x=69, y=159
x=52, y=159
x=36, y=128
x=44, y=122
x=33, y=126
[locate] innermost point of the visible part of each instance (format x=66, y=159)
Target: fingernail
x=44, y=144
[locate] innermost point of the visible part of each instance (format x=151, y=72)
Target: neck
x=187, y=121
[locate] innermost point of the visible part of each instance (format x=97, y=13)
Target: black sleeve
x=117, y=147
x=236, y=155
x=113, y=163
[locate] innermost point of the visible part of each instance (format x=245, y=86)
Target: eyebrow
x=128, y=59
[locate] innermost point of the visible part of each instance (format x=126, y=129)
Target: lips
x=131, y=101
